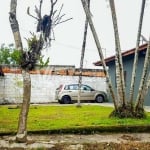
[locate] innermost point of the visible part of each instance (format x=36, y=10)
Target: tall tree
x=100, y=52
x=29, y=58
x=21, y=133
x=125, y=110
x=146, y=87
x=143, y=82
x=129, y=111
x=119, y=65
x=136, y=54
x=82, y=55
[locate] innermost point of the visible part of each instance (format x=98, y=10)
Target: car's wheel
x=99, y=99
x=66, y=100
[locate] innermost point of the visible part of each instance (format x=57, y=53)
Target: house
x=128, y=59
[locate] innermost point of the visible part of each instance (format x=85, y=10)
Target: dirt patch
x=122, y=141
x=118, y=146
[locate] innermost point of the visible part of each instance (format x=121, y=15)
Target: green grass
x=64, y=117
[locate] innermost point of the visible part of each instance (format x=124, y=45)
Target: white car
x=67, y=93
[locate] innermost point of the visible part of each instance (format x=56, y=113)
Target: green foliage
x=32, y=56
x=4, y=55
x=32, y=45
x=9, y=55
x=32, y=42
x=16, y=57
x=43, y=63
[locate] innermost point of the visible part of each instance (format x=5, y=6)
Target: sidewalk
x=77, y=142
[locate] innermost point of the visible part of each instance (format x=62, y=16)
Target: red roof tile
x=126, y=53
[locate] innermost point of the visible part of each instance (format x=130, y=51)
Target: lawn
x=65, y=117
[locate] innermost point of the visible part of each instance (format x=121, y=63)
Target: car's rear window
x=66, y=87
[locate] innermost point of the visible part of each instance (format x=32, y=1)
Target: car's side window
x=75, y=87
x=85, y=88
x=71, y=87
x=89, y=88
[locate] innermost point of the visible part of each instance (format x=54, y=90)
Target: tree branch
x=28, y=12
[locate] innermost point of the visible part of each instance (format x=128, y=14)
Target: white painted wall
x=43, y=86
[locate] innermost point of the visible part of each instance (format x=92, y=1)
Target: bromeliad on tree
x=30, y=57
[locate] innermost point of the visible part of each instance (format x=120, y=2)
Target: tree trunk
x=136, y=54
x=88, y=15
x=119, y=65
x=14, y=25
x=143, y=82
x=147, y=86
x=82, y=55
x=22, y=123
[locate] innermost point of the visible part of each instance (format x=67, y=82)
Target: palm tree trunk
x=140, y=97
x=22, y=123
x=147, y=86
x=88, y=15
x=119, y=65
x=82, y=55
x=136, y=54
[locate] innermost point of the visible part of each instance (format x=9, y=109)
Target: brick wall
x=57, y=70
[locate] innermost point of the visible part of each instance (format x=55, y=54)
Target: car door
x=87, y=93
x=73, y=91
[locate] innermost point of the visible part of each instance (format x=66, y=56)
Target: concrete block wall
x=42, y=86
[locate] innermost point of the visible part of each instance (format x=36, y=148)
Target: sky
x=66, y=48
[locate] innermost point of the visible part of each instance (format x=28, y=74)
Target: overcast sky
x=66, y=48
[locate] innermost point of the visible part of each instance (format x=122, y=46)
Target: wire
x=74, y=47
